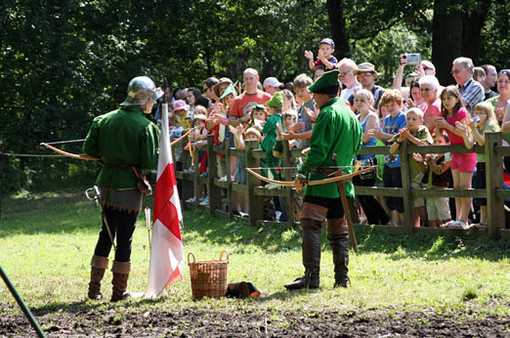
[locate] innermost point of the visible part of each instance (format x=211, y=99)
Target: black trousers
x=373, y=209
x=122, y=225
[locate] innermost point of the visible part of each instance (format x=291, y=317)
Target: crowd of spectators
x=417, y=109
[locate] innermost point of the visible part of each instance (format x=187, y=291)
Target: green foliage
x=64, y=62
x=495, y=41
x=383, y=50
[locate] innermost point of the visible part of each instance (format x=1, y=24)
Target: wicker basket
x=208, y=278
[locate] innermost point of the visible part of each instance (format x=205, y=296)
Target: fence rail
x=494, y=193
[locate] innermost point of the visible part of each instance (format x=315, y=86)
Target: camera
x=412, y=58
x=475, y=118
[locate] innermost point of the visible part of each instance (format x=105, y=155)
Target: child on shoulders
x=324, y=57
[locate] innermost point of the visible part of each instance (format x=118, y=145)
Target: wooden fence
x=255, y=193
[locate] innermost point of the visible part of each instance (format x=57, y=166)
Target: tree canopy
x=66, y=61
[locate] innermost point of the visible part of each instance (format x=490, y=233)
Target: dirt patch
x=217, y=323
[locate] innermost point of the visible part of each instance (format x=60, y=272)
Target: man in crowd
x=271, y=85
x=471, y=91
x=241, y=108
x=490, y=81
x=208, y=88
x=126, y=142
x=336, y=131
x=348, y=69
x=366, y=76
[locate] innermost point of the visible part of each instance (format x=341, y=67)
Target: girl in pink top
x=463, y=165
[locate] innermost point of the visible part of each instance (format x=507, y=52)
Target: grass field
x=46, y=241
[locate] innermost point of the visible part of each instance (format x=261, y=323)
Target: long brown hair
x=451, y=91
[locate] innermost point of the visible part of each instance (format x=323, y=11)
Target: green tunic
x=336, y=130
x=268, y=142
x=123, y=137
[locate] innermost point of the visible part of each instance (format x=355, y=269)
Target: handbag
x=368, y=162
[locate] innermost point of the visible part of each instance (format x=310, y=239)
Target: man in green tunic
x=335, y=142
x=126, y=141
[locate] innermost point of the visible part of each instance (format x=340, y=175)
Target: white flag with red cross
x=166, y=250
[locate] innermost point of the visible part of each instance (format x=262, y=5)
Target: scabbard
x=348, y=216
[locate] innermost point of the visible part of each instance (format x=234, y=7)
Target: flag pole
x=22, y=304
x=148, y=223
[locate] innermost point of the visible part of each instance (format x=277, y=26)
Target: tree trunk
x=446, y=38
x=456, y=32
x=337, y=23
x=473, y=25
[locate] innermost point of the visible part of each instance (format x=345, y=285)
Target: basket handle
x=192, y=255
x=224, y=252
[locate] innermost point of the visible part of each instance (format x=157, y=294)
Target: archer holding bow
x=336, y=139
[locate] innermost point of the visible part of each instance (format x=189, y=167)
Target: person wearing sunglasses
x=348, y=69
x=471, y=91
x=208, y=86
x=366, y=74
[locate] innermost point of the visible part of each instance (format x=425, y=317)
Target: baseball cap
x=272, y=82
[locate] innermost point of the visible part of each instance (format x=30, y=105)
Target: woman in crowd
x=429, y=89
x=500, y=101
x=192, y=97
x=415, y=98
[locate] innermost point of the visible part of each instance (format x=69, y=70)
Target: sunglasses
x=365, y=74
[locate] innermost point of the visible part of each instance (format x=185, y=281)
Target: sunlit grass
x=46, y=242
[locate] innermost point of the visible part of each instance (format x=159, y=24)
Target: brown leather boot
x=311, y=256
x=120, y=278
x=98, y=267
x=340, y=248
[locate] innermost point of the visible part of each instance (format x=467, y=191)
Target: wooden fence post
x=494, y=180
x=286, y=176
x=228, y=172
x=212, y=173
x=196, y=176
x=255, y=203
x=406, y=187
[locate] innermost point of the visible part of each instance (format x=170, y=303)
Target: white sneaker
x=205, y=202
x=223, y=179
x=190, y=200
x=278, y=215
x=464, y=226
x=272, y=186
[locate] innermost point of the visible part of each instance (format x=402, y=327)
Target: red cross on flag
x=166, y=250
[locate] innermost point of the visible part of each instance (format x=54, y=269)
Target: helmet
x=139, y=90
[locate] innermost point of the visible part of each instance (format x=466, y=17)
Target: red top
x=461, y=115
x=433, y=109
x=244, y=103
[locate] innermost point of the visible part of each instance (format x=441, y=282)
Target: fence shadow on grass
x=53, y=212
x=199, y=225
x=431, y=247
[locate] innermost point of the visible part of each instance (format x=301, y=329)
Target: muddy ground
x=217, y=323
